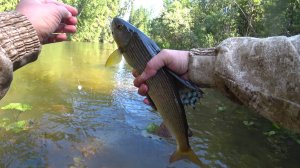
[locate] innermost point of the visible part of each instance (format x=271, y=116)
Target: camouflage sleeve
x=263, y=74
x=19, y=45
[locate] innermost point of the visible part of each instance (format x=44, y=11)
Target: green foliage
x=173, y=29
x=8, y=5
x=185, y=24
x=221, y=108
x=276, y=133
x=94, y=18
x=207, y=23
x=141, y=19
x=270, y=133
x=152, y=128
x=15, y=127
x=248, y=123
x=17, y=106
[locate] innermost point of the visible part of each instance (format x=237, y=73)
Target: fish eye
x=120, y=26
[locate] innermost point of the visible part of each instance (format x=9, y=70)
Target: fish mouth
x=115, y=23
x=121, y=32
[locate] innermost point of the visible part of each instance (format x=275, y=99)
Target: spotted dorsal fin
x=189, y=92
x=190, y=97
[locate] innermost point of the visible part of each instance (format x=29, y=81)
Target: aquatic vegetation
x=17, y=106
x=78, y=163
x=15, y=127
x=282, y=133
x=270, y=133
x=248, y=123
x=221, y=107
x=152, y=128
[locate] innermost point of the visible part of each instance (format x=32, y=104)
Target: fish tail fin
x=190, y=155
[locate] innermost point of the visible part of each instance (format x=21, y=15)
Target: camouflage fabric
x=263, y=74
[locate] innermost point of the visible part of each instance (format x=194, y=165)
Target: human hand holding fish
x=175, y=60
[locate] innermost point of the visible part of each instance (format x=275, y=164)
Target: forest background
x=185, y=24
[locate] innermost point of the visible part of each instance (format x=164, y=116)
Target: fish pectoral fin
x=189, y=155
x=114, y=58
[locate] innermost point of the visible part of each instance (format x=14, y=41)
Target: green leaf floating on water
x=221, y=109
x=15, y=126
x=276, y=126
x=151, y=128
x=248, y=123
x=17, y=106
x=4, y=122
x=270, y=133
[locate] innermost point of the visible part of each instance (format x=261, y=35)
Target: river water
x=86, y=115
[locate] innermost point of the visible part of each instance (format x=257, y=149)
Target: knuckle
x=149, y=65
x=164, y=52
x=135, y=83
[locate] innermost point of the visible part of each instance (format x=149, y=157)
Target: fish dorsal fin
x=114, y=58
x=152, y=47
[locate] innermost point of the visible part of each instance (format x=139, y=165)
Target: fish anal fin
x=189, y=155
x=114, y=58
x=163, y=131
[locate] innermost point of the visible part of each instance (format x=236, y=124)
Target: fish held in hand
x=164, y=87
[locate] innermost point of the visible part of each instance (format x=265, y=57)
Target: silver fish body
x=137, y=50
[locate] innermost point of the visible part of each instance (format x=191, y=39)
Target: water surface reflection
x=86, y=115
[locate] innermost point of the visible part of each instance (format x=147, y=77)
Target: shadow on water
x=86, y=115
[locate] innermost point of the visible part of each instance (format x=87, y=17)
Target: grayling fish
x=163, y=91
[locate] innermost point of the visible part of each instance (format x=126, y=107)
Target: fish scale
x=161, y=88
